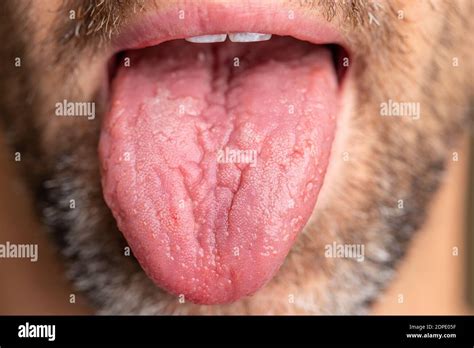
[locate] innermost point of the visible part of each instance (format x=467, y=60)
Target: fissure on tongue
x=212, y=159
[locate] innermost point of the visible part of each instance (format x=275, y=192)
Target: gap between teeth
x=234, y=37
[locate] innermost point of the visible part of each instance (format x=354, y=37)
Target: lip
x=181, y=19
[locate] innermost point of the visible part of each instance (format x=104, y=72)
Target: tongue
x=212, y=159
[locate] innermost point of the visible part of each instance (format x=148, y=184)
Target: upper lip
x=182, y=19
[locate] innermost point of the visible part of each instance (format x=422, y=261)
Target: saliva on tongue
x=212, y=159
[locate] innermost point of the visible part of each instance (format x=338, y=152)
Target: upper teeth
x=249, y=37
x=234, y=37
x=207, y=38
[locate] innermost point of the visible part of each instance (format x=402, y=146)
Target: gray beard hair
x=361, y=213
x=115, y=283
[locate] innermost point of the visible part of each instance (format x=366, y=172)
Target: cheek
x=40, y=16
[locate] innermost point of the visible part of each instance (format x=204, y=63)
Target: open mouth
x=215, y=148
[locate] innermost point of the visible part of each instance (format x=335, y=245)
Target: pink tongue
x=212, y=159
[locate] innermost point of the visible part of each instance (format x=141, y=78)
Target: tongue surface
x=212, y=159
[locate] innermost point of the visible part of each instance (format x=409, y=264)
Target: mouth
x=216, y=143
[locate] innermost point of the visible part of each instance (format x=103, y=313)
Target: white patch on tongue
x=203, y=215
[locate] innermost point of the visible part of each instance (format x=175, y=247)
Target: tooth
x=249, y=37
x=207, y=38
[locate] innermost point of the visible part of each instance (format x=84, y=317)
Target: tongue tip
x=207, y=285
x=206, y=295
x=227, y=280
x=201, y=288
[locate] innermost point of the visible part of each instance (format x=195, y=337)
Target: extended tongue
x=212, y=163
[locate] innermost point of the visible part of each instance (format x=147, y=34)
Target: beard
x=382, y=175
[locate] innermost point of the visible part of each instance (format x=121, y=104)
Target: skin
x=376, y=161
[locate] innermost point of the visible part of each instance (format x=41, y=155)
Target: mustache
x=93, y=19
